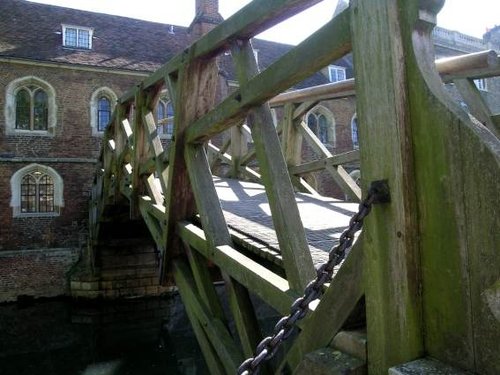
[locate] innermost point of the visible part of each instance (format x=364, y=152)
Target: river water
x=131, y=337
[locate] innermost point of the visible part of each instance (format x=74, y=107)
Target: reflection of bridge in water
x=427, y=262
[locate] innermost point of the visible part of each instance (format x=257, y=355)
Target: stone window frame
x=10, y=106
x=331, y=133
x=94, y=106
x=15, y=188
x=77, y=44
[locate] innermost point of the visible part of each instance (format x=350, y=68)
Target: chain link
x=267, y=348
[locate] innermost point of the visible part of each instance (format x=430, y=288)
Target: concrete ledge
x=426, y=366
x=327, y=361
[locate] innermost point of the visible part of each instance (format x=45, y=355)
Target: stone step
x=128, y=272
x=352, y=342
x=116, y=261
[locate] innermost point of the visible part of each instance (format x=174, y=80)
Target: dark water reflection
x=61, y=337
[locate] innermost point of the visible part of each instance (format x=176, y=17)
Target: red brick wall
x=37, y=273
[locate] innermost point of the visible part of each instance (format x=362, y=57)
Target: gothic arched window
x=30, y=107
x=102, y=104
x=165, y=117
x=320, y=121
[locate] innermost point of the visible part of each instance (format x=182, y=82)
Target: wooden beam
x=317, y=165
x=205, y=284
x=473, y=65
x=248, y=172
x=335, y=306
x=476, y=104
x=246, y=23
x=215, y=342
x=392, y=259
x=285, y=214
x=271, y=288
x=334, y=90
x=457, y=169
x=193, y=94
x=338, y=173
x=299, y=63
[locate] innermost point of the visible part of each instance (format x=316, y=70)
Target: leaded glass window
x=32, y=109
x=103, y=113
x=37, y=193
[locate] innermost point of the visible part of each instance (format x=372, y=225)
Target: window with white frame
x=320, y=121
x=481, y=84
x=165, y=117
x=77, y=36
x=336, y=73
x=36, y=190
x=102, y=104
x=30, y=107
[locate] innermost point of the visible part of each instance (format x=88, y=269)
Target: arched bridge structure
x=423, y=277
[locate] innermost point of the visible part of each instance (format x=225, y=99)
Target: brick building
x=61, y=71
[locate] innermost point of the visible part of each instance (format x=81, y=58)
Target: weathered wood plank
x=317, y=165
x=340, y=298
x=473, y=65
x=457, y=166
x=285, y=214
x=393, y=303
x=338, y=173
x=187, y=291
x=270, y=287
x=154, y=217
x=248, y=22
x=328, y=91
x=248, y=172
x=302, y=61
x=204, y=284
x=476, y=104
x=193, y=94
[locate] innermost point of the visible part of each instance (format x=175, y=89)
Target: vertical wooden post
x=291, y=138
x=392, y=271
x=238, y=149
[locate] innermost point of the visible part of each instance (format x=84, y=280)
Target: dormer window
x=337, y=73
x=77, y=37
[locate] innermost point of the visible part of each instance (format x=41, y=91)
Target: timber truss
x=426, y=258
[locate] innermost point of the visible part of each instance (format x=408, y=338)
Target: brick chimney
x=206, y=18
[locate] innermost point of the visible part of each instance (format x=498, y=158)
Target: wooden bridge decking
x=246, y=209
x=427, y=263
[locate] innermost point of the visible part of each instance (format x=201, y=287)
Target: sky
x=472, y=18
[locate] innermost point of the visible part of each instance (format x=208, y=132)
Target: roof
x=33, y=31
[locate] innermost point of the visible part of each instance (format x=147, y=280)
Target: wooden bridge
x=427, y=263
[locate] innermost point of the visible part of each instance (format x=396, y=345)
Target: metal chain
x=267, y=348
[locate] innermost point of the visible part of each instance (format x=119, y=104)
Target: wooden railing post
x=392, y=264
